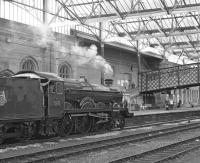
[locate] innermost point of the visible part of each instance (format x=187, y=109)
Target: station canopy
x=170, y=26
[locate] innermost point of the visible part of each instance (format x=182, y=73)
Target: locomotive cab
x=51, y=86
x=55, y=99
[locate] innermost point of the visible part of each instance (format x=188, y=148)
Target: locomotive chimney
x=108, y=82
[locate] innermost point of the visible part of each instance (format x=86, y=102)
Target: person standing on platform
x=179, y=103
x=171, y=103
x=167, y=104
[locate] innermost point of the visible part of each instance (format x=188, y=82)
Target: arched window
x=29, y=64
x=65, y=71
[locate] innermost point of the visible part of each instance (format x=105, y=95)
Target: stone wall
x=19, y=42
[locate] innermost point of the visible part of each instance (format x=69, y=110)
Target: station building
x=22, y=49
x=25, y=46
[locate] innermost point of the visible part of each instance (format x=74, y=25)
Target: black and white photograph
x=99, y=81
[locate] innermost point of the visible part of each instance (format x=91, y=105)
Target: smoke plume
x=44, y=37
x=77, y=56
x=88, y=56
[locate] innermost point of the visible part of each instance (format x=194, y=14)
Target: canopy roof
x=172, y=25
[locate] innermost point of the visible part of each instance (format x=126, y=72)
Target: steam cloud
x=85, y=55
x=44, y=37
x=78, y=55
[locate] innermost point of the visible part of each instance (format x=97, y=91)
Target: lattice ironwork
x=188, y=74
x=170, y=78
x=153, y=80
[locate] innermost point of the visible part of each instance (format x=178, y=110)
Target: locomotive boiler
x=78, y=93
x=41, y=103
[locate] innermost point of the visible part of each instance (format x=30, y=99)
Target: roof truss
x=172, y=24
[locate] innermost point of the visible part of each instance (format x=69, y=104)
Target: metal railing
x=169, y=78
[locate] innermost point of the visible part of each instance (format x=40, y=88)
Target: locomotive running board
x=103, y=116
x=79, y=115
x=93, y=110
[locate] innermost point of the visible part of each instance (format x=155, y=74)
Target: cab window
x=59, y=88
x=6, y=92
x=52, y=88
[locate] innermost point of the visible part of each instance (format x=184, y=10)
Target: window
x=59, y=88
x=29, y=64
x=113, y=68
x=125, y=80
x=52, y=88
x=65, y=71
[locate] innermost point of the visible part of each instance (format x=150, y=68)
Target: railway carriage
x=40, y=103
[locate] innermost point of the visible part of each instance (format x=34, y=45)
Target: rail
x=64, y=152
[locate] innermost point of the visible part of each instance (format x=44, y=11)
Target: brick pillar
x=180, y=96
x=175, y=97
x=187, y=97
x=184, y=96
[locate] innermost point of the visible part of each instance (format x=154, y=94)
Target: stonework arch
x=29, y=64
x=65, y=70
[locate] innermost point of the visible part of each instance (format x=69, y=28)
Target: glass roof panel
x=156, y=22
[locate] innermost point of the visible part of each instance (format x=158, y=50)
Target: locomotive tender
x=41, y=103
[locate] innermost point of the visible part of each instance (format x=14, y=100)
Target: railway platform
x=163, y=111
x=157, y=115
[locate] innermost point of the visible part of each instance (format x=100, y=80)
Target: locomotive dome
x=38, y=75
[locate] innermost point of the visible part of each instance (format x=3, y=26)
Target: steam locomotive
x=41, y=103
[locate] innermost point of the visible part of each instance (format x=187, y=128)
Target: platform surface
x=163, y=111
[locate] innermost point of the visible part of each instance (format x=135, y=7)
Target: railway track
x=164, y=153
x=52, y=138
x=163, y=122
x=57, y=153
